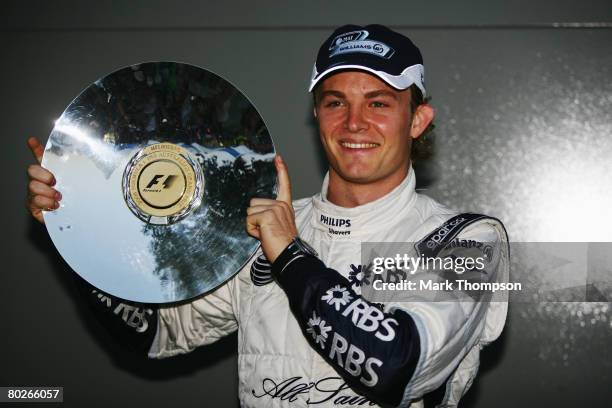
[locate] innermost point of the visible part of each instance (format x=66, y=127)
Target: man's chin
x=367, y=174
x=358, y=177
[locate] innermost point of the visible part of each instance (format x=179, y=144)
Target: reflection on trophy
x=157, y=163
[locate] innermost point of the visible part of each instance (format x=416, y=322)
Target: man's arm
x=182, y=328
x=162, y=331
x=132, y=325
x=377, y=351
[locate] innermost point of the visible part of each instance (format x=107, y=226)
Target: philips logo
x=335, y=222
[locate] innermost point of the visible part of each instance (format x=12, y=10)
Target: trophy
x=157, y=163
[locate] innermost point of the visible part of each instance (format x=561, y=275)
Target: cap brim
x=411, y=75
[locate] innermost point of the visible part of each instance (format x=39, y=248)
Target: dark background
x=523, y=93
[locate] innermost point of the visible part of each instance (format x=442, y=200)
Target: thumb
x=36, y=148
x=284, y=183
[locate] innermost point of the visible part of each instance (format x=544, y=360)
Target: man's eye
x=333, y=104
x=378, y=104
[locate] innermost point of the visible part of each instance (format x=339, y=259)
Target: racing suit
x=277, y=365
x=310, y=338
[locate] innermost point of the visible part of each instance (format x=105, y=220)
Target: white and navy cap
x=374, y=48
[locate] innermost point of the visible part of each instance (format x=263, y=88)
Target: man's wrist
x=295, y=250
x=272, y=252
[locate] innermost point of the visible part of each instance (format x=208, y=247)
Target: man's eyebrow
x=381, y=92
x=337, y=94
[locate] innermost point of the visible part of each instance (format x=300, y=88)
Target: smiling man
x=366, y=128
x=307, y=332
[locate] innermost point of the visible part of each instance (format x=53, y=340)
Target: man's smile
x=349, y=144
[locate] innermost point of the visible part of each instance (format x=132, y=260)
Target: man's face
x=365, y=127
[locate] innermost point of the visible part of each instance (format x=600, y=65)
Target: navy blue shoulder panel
x=437, y=240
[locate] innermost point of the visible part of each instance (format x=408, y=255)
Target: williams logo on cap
x=355, y=41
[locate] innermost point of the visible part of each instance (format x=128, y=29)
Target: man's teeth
x=359, y=145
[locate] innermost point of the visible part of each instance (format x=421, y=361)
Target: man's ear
x=422, y=117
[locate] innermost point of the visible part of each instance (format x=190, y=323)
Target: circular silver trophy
x=157, y=163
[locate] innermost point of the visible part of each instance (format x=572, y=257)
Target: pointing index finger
x=284, y=183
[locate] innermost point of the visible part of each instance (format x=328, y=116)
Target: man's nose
x=355, y=122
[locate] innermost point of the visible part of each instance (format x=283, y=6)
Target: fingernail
x=53, y=181
x=56, y=205
x=58, y=196
x=280, y=158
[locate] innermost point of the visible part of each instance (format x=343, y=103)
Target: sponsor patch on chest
x=336, y=225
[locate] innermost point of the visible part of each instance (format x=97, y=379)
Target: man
x=306, y=334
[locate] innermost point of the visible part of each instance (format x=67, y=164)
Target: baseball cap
x=374, y=48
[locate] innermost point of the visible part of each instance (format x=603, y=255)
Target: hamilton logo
x=161, y=181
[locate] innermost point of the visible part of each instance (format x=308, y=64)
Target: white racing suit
x=307, y=352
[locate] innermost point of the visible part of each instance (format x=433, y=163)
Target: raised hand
x=272, y=222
